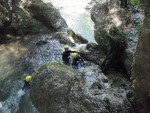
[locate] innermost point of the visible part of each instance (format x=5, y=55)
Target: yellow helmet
x=74, y=55
x=66, y=47
x=28, y=78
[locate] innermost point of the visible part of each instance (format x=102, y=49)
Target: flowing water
x=24, y=56
x=19, y=61
x=77, y=16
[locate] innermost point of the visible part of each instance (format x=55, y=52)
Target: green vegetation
x=136, y=2
x=120, y=34
x=61, y=68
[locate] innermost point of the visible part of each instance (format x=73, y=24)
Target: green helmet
x=28, y=78
x=74, y=55
x=66, y=47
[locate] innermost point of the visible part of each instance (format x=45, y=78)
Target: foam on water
x=1, y=105
x=20, y=93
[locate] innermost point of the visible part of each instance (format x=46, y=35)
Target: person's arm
x=81, y=59
x=73, y=51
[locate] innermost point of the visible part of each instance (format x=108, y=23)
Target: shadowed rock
x=141, y=68
x=117, y=42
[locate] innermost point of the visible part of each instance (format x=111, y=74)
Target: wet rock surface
x=57, y=88
x=92, y=52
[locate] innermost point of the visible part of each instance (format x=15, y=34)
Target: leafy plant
x=136, y=2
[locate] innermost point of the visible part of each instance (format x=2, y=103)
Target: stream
x=77, y=15
x=23, y=57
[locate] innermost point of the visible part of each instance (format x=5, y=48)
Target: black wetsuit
x=76, y=61
x=26, y=84
x=66, y=56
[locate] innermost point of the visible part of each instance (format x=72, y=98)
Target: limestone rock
x=99, y=14
x=56, y=88
x=141, y=67
x=92, y=52
x=48, y=15
x=16, y=20
x=117, y=42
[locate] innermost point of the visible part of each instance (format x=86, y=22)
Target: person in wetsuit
x=66, y=55
x=76, y=60
x=27, y=81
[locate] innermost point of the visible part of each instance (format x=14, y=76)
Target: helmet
x=74, y=55
x=66, y=47
x=28, y=78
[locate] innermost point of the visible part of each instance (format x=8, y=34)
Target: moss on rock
x=51, y=84
x=47, y=14
x=117, y=33
x=61, y=67
x=24, y=23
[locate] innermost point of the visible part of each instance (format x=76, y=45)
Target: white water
x=76, y=16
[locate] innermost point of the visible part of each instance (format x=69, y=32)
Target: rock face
x=16, y=18
x=92, y=52
x=117, y=41
x=141, y=67
x=99, y=14
x=47, y=14
x=56, y=88
x=105, y=16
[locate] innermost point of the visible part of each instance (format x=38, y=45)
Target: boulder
x=76, y=37
x=104, y=17
x=24, y=23
x=47, y=14
x=17, y=20
x=92, y=52
x=56, y=88
x=99, y=14
x=107, y=16
x=51, y=86
x=62, y=37
x=69, y=38
x=28, y=17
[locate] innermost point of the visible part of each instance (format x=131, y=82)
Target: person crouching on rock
x=66, y=55
x=27, y=81
x=76, y=60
